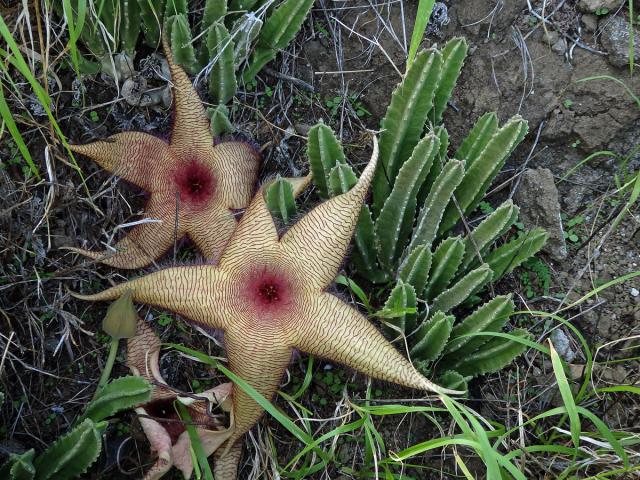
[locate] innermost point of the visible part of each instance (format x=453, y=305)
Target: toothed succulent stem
x=431, y=213
x=245, y=31
x=453, y=55
x=151, y=14
x=468, y=285
x=510, y=255
x=72, y=454
x=397, y=215
x=403, y=124
x=278, y=30
x=280, y=199
x=214, y=11
x=129, y=25
x=481, y=171
x=492, y=227
x=324, y=152
x=431, y=337
x=446, y=260
x=181, y=42
x=219, y=121
x=222, y=79
x=341, y=179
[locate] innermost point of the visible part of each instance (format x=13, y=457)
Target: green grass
x=15, y=58
x=425, y=8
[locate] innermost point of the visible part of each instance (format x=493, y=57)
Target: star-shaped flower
x=268, y=294
x=158, y=417
x=201, y=180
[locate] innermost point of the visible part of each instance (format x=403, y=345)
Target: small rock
x=634, y=292
x=551, y=37
x=576, y=371
x=537, y=197
x=560, y=46
x=562, y=344
x=592, y=6
x=133, y=88
x=590, y=22
x=615, y=40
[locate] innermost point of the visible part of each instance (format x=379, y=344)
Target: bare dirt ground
x=351, y=54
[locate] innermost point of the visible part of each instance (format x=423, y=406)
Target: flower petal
x=190, y=135
x=255, y=235
x=226, y=462
x=236, y=165
x=318, y=242
x=260, y=359
x=338, y=332
x=134, y=156
x=211, y=230
x=195, y=292
x=160, y=442
x=146, y=242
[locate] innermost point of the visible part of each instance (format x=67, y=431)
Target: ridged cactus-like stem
x=482, y=170
x=222, y=79
x=341, y=179
x=399, y=207
x=416, y=267
x=72, y=454
x=446, y=260
x=214, y=11
x=432, y=336
x=494, y=355
x=403, y=124
x=496, y=224
x=490, y=317
x=453, y=54
x=151, y=15
x=468, y=285
x=181, y=41
x=278, y=30
x=244, y=32
x=324, y=152
x=401, y=298
x=280, y=199
x=129, y=25
x=436, y=202
x=510, y=255
x=478, y=137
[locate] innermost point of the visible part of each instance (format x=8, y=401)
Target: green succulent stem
x=108, y=367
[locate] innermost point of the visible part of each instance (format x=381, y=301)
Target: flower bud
x=121, y=318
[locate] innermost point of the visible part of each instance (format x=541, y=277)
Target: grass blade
x=567, y=396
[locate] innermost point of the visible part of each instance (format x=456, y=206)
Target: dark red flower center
x=268, y=289
x=269, y=293
x=164, y=412
x=195, y=183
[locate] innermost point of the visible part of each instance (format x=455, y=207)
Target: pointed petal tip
x=429, y=386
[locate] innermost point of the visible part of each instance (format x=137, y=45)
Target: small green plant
x=601, y=11
x=571, y=229
x=352, y=101
x=164, y=320
x=568, y=103
x=405, y=238
x=233, y=46
x=542, y=273
x=72, y=454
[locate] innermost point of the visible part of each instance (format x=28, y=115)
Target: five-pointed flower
x=268, y=295
x=193, y=184
x=158, y=417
